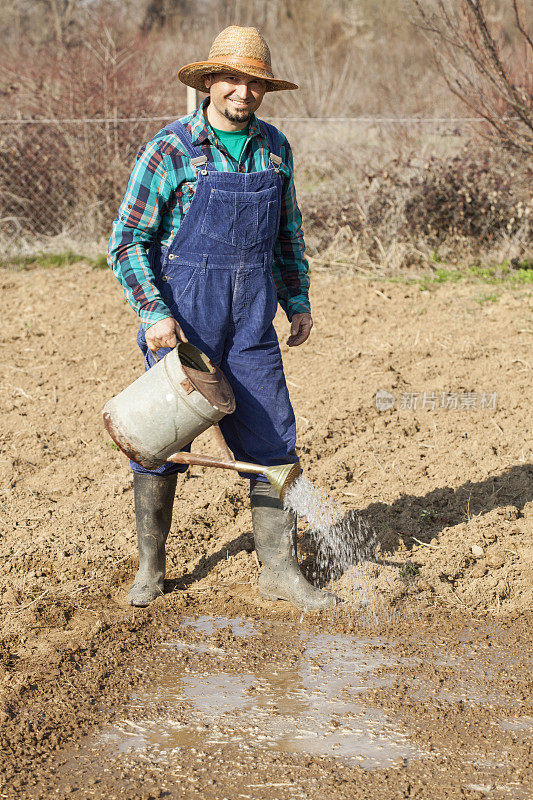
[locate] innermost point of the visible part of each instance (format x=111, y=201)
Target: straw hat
x=235, y=49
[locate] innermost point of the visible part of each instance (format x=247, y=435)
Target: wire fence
x=66, y=177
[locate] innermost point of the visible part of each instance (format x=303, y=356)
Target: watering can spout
x=282, y=477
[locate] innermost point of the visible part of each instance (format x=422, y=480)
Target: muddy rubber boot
x=154, y=498
x=275, y=545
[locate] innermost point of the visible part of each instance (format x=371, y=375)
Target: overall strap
x=179, y=129
x=274, y=139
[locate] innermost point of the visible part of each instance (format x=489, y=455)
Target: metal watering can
x=175, y=401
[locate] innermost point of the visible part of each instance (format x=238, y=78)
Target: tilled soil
x=447, y=487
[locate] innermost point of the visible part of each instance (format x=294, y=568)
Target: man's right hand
x=165, y=333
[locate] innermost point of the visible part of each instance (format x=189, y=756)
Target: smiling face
x=234, y=98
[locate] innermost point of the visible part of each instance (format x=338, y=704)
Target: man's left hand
x=301, y=325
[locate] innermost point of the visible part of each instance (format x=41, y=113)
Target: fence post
x=192, y=99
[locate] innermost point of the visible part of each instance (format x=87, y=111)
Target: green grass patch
x=511, y=274
x=47, y=260
x=52, y=260
x=519, y=272
x=439, y=276
x=409, y=570
x=486, y=297
x=100, y=262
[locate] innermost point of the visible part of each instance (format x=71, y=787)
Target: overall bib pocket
x=241, y=219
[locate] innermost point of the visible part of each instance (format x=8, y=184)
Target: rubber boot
x=154, y=498
x=275, y=545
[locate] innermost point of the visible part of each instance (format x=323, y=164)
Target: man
x=206, y=242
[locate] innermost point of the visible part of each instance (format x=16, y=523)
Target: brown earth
x=432, y=482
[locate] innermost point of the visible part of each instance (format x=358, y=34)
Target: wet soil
x=445, y=636
x=213, y=707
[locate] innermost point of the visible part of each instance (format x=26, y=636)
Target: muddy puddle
x=316, y=707
x=226, y=701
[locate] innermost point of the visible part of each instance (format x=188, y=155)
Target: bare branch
x=520, y=25
x=469, y=57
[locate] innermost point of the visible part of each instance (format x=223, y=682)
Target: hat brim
x=193, y=75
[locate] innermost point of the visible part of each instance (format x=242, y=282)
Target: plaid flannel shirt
x=159, y=193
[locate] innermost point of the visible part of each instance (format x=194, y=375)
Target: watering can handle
x=221, y=442
x=156, y=357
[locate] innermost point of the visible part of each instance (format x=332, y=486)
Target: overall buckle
x=199, y=161
x=276, y=160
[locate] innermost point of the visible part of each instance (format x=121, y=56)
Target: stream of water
x=345, y=543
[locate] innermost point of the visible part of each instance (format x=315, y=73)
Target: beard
x=238, y=116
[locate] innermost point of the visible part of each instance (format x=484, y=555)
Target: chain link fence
x=64, y=177
x=61, y=181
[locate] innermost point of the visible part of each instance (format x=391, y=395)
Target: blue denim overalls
x=216, y=279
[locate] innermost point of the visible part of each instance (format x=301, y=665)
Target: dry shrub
x=42, y=193
x=474, y=195
x=476, y=200
x=104, y=73
x=352, y=58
